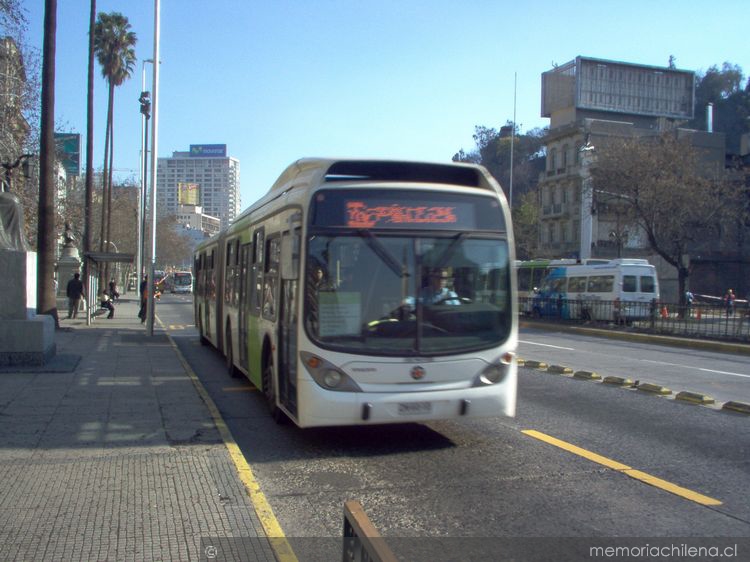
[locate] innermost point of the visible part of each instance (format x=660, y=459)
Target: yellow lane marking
x=271, y=526
x=239, y=389
x=624, y=469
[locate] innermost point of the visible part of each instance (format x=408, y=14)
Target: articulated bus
x=325, y=294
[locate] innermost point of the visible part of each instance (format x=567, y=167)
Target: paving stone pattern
x=118, y=459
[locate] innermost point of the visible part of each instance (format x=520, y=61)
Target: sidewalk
x=115, y=456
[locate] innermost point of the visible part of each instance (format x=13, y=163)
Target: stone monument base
x=27, y=342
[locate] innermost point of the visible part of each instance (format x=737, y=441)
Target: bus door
x=246, y=255
x=290, y=265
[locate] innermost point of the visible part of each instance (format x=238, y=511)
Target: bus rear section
x=621, y=290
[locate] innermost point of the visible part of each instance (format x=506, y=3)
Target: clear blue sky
x=277, y=80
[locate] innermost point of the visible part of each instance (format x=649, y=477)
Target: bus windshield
x=391, y=294
x=183, y=279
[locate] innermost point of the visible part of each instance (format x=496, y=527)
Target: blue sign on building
x=208, y=150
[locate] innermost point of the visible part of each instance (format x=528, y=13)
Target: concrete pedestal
x=25, y=338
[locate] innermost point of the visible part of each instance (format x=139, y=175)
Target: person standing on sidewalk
x=144, y=299
x=74, y=291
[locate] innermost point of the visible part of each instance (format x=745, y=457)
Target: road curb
x=559, y=370
x=673, y=341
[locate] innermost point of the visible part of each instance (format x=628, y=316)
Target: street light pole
x=154, y=144
x=145, y=102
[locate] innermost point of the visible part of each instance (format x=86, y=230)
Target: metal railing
x=362, y=541
x=699, y=320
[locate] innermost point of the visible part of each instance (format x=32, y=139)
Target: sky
x=279, y=80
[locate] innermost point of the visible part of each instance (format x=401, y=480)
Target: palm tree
x=114, y=46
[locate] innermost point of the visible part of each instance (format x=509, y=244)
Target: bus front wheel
x=269, y=393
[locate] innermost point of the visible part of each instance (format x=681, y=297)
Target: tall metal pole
x=144, y=181
x=512, y=141
x=154, y=151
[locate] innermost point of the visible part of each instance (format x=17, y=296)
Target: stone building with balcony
x=588, y=100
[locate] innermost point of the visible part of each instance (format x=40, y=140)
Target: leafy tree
x=723, y=88
x=492, y=151
x=114, y=45
x=526, y=225
x=675, y=195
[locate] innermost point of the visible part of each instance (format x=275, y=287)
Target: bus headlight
x=327, y=375
x=332, y=378
x=494, y=373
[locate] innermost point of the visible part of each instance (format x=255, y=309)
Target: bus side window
x=577, y=285
x=629, y=284
x=647, y=284
x=256, y=288
x=271, y=278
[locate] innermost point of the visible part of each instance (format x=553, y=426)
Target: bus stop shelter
x=94, y=263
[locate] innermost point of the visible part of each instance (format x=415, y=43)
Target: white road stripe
x=547, y=345
x=725, y=373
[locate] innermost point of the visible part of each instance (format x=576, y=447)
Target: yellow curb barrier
x=694, y=397
x=559, y=370
x=587, y=375
x=535, y=364
x=740, y=407
x=618, y=381
x=654, y=388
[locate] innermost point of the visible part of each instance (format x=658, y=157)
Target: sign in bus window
x=339, y=314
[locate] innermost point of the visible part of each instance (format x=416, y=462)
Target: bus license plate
x=414, y=408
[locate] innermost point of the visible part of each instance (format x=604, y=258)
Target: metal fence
x=700, y=320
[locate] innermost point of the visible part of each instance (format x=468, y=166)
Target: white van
x=621, y=289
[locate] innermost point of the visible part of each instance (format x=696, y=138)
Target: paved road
x=724, y=376
x=490, y=488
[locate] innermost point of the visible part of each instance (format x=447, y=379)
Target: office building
x=204, y=176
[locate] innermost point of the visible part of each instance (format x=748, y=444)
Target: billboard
x=188, y=193
x=68, y=148
x=208, y=150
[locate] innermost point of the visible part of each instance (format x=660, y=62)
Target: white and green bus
x=319, y=293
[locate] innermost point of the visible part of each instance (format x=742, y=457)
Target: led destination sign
x=360, y=215
x=406, y=209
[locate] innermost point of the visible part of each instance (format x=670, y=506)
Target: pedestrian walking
x=689, y=298
x=729, y=302
x=144, y=299
x=74, y=291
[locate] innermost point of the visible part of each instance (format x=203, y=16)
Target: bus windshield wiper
x=383, y=253
x=449, y=251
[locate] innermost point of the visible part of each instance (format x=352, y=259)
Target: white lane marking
x=547, y=345
x=696, y=368
x=725, y=373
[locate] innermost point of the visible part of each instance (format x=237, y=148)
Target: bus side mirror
x=289, y=256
